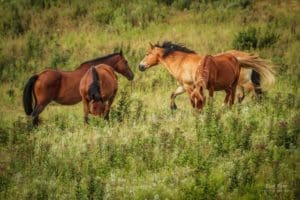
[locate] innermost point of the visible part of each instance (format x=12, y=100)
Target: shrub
x=11, y=21
x=105, y=14
x=33, y=47
x=182, y=4
x=240, y=3
x=246, y=39
x=121, y=110
x=79, y=11
x=267, y=38
x=44, y=4
x=253, y=38
x=59, y=59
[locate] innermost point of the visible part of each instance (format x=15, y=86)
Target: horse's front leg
x=85, y=110
x=211, y=94
x=108, y=106
x=228, y=93
x=174, y=94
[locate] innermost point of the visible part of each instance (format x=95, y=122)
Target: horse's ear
x=121, y=52
x=151, y=45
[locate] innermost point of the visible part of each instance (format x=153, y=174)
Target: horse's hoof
x=106, y=118
x=173, y=107
x=86, y=120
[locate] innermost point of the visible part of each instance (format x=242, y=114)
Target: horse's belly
x=67, y=100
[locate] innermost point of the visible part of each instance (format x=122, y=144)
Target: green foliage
x=33, y=47
x=121, y=111
x=146, y=151
x=182, y=4
x=11, y=22
x=80, y=11
x=253, y=38
x=246, y=39
x=59, y=59
x=240, y=3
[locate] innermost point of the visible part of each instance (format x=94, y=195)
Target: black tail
x=94, y=92
x=27, y=95
x=255, y=78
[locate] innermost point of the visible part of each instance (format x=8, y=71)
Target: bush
x=253, y=38
x=240, y=3
x=121, y=110
x=246, y=39
x=33, y=47
x=267, y=38
x=182, y=4
x=105, y=13
x=11, y=21
x=79, y=11
x=59, y=59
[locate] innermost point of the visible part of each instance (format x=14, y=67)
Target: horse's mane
x=99, y=59
x=171, y=47
x=94, y=92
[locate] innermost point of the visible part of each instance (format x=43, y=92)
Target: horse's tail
x=28, y=93
x=263, y=71
x=255, y=78
x=94, y=92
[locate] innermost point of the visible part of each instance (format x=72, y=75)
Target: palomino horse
x=98, y=88
x=182, y=63
x=62, y=86
x=216, y=73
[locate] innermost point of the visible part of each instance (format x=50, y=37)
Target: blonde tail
x=264, y=68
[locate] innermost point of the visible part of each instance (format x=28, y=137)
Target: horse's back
x=227, y=64
x=107, y=81
x=49, y=76
x=107, y=76
x=224, y=69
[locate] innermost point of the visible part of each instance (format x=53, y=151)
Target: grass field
x=147, y=151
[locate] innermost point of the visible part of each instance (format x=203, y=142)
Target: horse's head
x=152, y=57
x=96, y=107
x=121, y=66
x=198, y=98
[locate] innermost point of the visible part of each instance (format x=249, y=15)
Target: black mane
x=99, y=59
x=171, y=47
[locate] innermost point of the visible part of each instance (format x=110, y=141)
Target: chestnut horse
x=98, y=88
x=182, y=63
x=62, y=86
x=216, y=73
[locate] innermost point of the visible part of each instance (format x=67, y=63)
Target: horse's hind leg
x=174, y=94
x=240, y=93
x=36, y=111
x=41, y=102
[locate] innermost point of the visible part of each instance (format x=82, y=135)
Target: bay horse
x=182, y=64
x=216, y=73
x=98, y=88
x=62, y=86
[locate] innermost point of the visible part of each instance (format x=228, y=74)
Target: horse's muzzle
x=142, y=67
x=130, y=77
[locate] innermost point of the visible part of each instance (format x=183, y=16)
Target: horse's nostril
x=141, y=67
x=131, y=76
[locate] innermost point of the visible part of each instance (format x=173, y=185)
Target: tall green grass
x=147, y=151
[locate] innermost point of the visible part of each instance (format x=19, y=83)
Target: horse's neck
x=172, y=65
x=176, y=64
x=84, y=67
